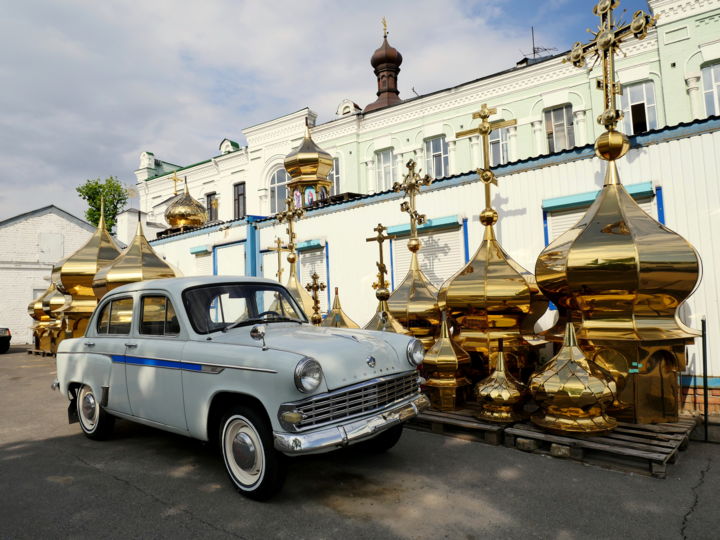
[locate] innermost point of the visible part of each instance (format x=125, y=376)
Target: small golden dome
x=138, y=262
x=308, y=166
x=336, y=317
x=185, y=211
x=573, y=392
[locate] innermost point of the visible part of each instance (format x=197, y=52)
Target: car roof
x=177, y=285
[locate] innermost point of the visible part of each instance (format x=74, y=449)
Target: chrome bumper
x=331, y=438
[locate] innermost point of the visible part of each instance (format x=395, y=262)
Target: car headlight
x=415, y=352
x=308, y=375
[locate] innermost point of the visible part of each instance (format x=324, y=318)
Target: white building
x=30, y=244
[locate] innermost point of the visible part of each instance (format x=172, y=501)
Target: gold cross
x=485, y=126
x=411, y=186
x=290, y=215
x=605, y=44
x=313, y=289
x=175, y=180
x=382, y=269
x=279, y=248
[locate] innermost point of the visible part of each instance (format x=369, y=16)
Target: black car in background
x=5, y=336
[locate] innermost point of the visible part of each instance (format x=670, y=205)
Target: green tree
x=111, y=191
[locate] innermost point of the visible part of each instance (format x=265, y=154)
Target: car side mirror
x=257, y=332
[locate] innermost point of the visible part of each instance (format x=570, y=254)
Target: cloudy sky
x=85, y=86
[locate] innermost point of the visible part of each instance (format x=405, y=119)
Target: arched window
x=711, y=88
x=278, y=190
x=334, y=176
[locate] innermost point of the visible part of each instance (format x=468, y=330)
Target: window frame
x=100, y=312
x=335, y=176
x=442, y=153
x=381, y=166
x=141, y=312
x=236, y=213
x=710, y=75
x=568, y=126
x=277, y=205
x=499, y=138
x=212, y=211
x=627, y=104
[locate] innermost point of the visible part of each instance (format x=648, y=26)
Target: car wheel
x=4, y=347
x=383, y=442
x=253, y=464
x=95, y=422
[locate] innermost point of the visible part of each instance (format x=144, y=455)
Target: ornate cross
x=313, y=289
x=279, y=248
x=411, y=186
x=604, y=45
x=290, y=215
x=175, y=180
x=382, y=269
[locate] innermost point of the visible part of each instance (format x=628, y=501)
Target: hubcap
x=88, y=406
x=244, y=451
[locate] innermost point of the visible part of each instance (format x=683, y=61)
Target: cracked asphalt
x=144, y=483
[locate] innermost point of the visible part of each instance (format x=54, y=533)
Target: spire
x=386, y=62
x=336, y=317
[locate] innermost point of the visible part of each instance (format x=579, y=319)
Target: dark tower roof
x=386, y=62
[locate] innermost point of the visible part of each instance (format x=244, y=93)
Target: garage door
x=442, y=254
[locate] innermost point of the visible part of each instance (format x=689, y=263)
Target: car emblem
x=371, y=361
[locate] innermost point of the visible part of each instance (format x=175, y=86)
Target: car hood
x=344, y=354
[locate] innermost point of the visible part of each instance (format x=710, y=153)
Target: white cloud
x=87, y=86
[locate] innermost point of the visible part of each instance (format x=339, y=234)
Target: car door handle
x=89, y=344
x=131, y=345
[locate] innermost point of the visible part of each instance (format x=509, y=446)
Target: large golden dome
x=336, y=317
x=138, y=262
x=185, y=211
x=308, y=166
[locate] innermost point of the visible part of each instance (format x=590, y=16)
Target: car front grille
x=356, y=400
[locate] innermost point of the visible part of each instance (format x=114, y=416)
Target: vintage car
x=233, y=360
x=5, y=337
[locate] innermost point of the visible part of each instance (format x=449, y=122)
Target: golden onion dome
x=500, y=395
x=35, y=307
x=336, y=317
x=619, y=271
x=138, y=262
x=308, y=166
x=573, y=392
x=185, y=211
x=297, y=291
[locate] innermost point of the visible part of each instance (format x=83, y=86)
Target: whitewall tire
x=95, y=422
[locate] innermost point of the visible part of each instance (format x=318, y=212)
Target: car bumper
x=331, y=438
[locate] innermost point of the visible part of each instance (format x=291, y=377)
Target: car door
x=153, y=362
x=108, y=335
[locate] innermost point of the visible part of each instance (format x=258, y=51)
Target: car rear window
x=158, y=317
x=116, y=317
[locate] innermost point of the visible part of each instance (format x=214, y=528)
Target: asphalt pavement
x=145, y=483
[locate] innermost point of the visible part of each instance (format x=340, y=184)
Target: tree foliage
x=111, y=191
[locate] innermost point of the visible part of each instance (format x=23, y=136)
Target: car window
x=116, y=317
x=158, y=317
x=214, y=307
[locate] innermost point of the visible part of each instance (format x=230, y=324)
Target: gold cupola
x=492, y=297
x=443, y=365
x=414, y=302
x=336, y=317
x=74, y=278
x=619, y=273
x=46, y=328
x=185, y=212
x=308, y=166
x=500, y=395
x=573, y=392
x=138, y=262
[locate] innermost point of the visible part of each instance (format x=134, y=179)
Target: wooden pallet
x=38, y=352
x=640, y=448
x=460, y=424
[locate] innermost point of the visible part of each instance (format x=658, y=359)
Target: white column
x=692, y=82
x=537, y=129
x=512, y=143
x=371, y=178
x=475, y=151
x=452, y=166
x=580, y=128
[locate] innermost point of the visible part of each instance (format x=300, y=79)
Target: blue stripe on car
x=153, y=362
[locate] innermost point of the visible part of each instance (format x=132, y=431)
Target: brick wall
x=691, y=399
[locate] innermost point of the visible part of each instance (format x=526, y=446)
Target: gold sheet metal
x=336, y=317
x=500, y=395
x=443, y=367
x=308, y=166
x=74, y=276
x=186, y=212
x=297, y=291
x=573, y=392
x=138, y=262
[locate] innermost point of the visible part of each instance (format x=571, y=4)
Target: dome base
x=447, y=393
x=574, y=421
x=503, y=414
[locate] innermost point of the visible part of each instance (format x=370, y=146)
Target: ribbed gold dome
x=500, y=395
x=185, y=211
x=336, y=317
x=308, y=166
x=138, y=262
x=74, y=277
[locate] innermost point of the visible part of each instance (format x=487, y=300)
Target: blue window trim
x=466, y=241
x=445, y=222
x=309, y=245
x=392, y=268
x=546, y=233
x=218, y=247
x=637, y=191
x=200, y=250
x=660, y=204
x=327, y=272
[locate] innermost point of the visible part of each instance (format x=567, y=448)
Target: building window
x=384, y=167
x=278, y=190
x=211, y=203
x=436, y=157
x=498, y=147
x=638, y=105
x=559, y=128
x=711, y=88
x=239, y=200
x=334, y=177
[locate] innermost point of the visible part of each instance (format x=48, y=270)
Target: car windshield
x=221, y=306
